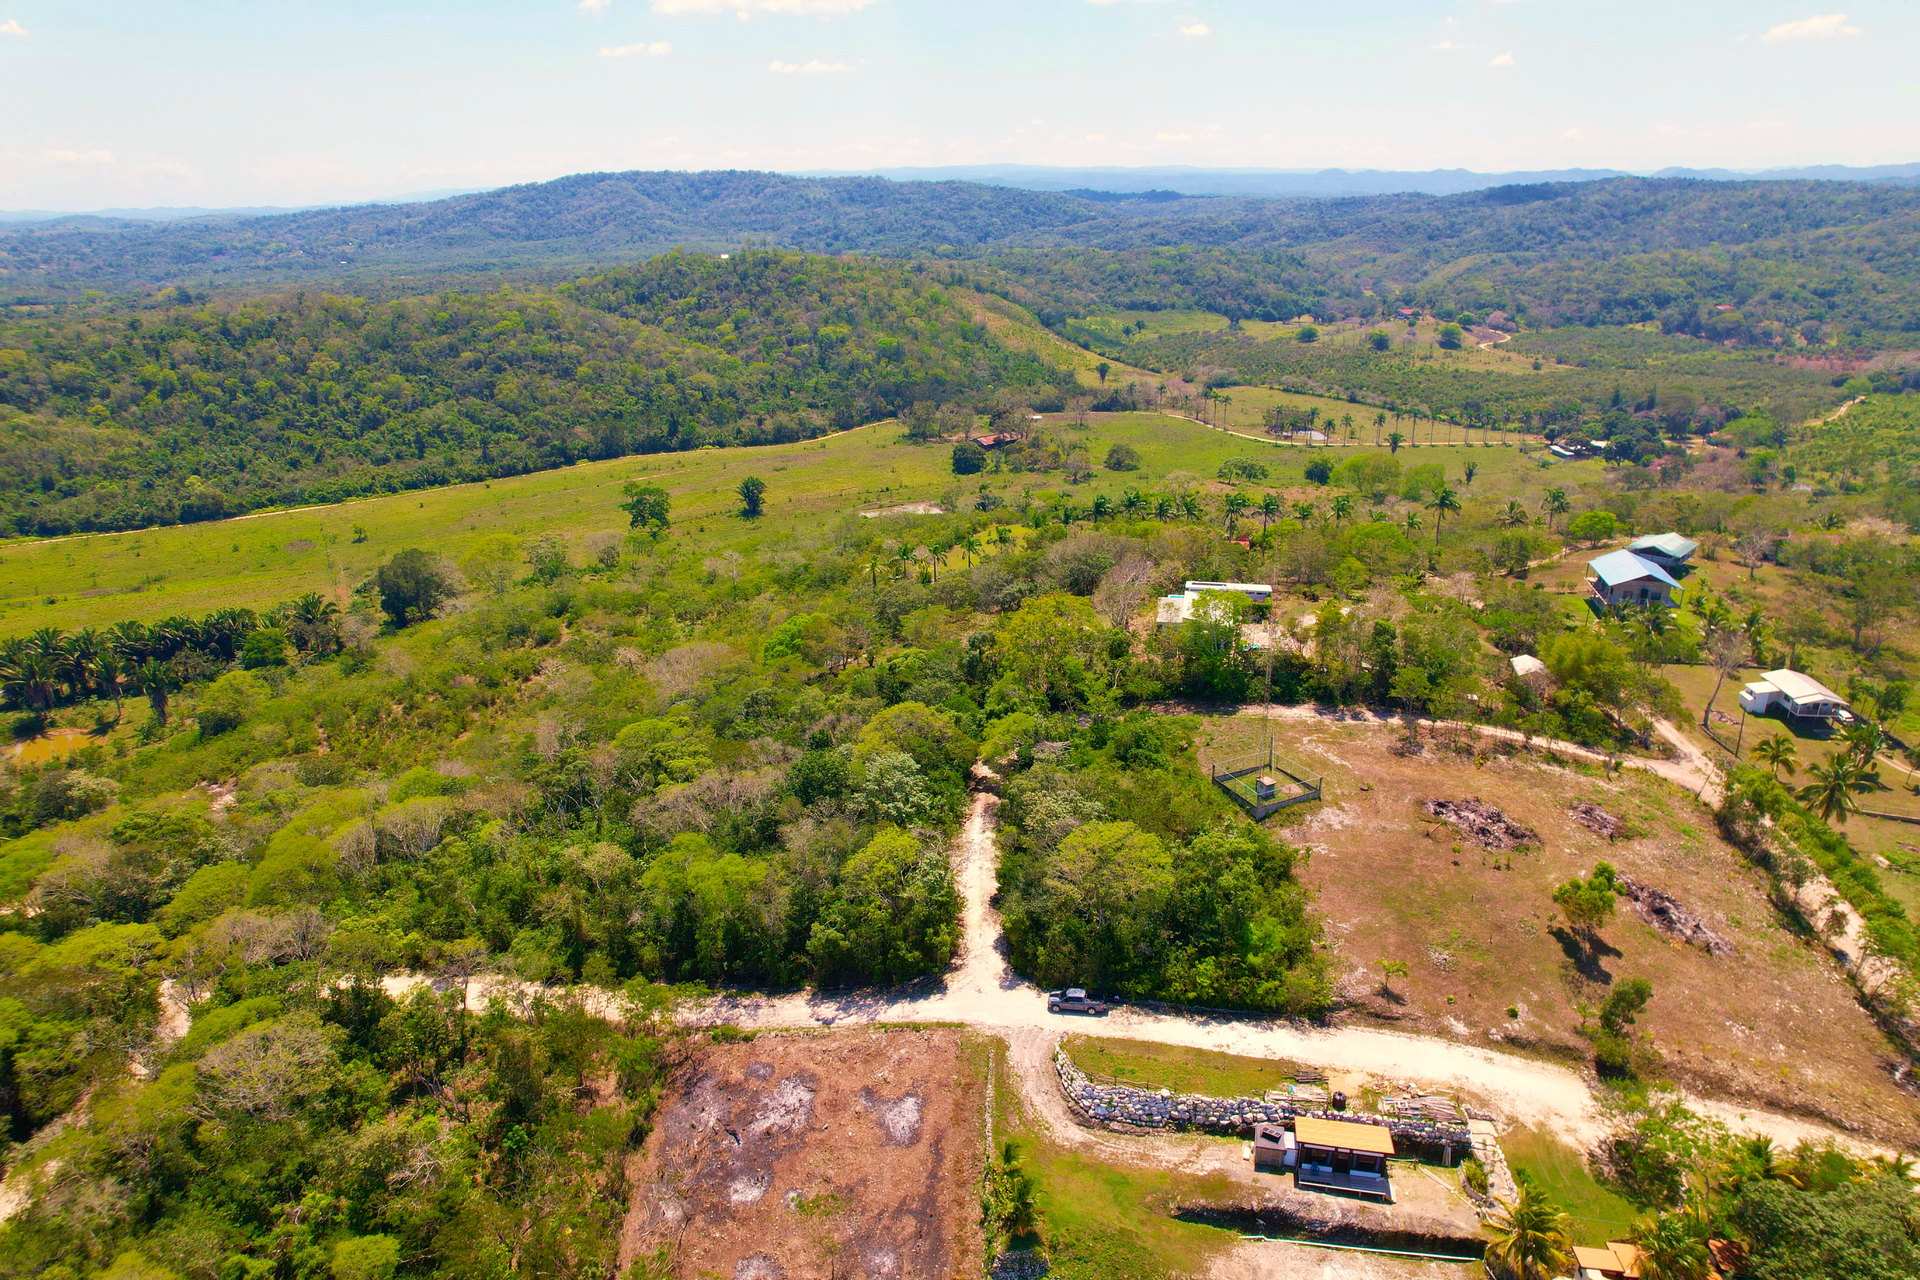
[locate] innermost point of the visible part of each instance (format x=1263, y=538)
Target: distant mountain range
x=1867, y=235
x=1158, y=183
x=176, y=213
x=1331, y=183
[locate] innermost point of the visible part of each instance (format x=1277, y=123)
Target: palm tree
x=1133, y=502
x=1777, y=753
x=1471, y=470
x=1102, y=508
x=1411, y=522
x=1531, y=1236
x=157, y=681
x=1835, y=786
x=1672, y=1246
x=1394, y=441
x=111, y=672
x=1555, y=504
x=903, y=556
x=31, y=678
x=80, y=661
x=1304, y=512
x=969, y=547
x=1863, y=742
x=1189, y=506
x=1236, y=506
x=1269, y=511
x=1444, y=500
x=1002, y=535
x=1514, y=516
x=1342, y=508
x=1379, y=421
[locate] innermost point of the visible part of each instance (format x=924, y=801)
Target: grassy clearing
x=1107, y=1222
x=1175, y=1067
x=1598, y=1214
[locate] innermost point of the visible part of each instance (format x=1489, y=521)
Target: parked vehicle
x=1074, y=1000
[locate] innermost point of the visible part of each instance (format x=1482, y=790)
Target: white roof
x=1671, y=545
x=1244, y=588
x=1800, y=688
x=1525, y=664
x=1174, y=609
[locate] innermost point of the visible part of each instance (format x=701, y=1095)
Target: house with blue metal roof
x=1668, y=550
x=1624, y=578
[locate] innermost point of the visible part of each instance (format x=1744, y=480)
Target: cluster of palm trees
x=906, y=556
x=1834, y=786
x=1532, y=1237
x=49, y=667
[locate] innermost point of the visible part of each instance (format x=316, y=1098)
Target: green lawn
x=1183, y=1070
x=1110, y=1222
x=1598, y=1214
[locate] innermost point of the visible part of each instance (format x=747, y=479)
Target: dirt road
x=981, y=991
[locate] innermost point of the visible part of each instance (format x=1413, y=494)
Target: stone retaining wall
x=1146, y=1109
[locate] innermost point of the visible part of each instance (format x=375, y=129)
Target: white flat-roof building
x=1258, y=592
x=1793, y=693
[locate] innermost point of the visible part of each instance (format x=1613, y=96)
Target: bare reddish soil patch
x=849, y=1153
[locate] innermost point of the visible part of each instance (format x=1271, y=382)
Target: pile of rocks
x=1483, y=823
x=1116, y=1104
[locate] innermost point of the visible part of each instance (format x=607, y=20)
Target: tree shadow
x=1390, y=996
x=1585, y=961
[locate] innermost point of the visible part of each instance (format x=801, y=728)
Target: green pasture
x=100, y=579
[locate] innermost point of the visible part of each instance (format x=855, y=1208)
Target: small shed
x=1525, y=665
x=1668, y=550
x=1618, y=1261
x=1621, y=577
x=1341, y=1155
x=1274, y=1148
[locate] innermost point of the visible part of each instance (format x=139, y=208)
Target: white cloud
x=1504, y=60
x=812, y=68
x=802, y=8
x=1173, y=137
x=1196, y=29
x=12, y=27
x=1096, y=137
x=1448, y=44
x=1819, y=27
x=657, y=49
x=595, y=6
x=88, y=158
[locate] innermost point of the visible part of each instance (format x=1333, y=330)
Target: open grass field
x=99, y=579
x=1176, y=1067
x=1598, y=1213
x=1490, y=960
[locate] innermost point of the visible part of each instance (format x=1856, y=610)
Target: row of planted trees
x=50, y=667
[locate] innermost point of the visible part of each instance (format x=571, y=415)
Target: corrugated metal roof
x=1670, y=545
x=1372, y=1138
x=1800, y=687
x=1617, y=567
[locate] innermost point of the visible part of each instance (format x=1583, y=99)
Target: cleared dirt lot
x=1772, y=1023
x=853, y=1153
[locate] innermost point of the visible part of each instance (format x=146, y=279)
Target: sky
x=219, y=103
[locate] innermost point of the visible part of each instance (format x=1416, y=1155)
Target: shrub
x=1123, y=457
x=968, y=459
x=1379, y=340
x=1320, y=471
x=1450, y=336
x=1307, y=333
x=1593, y=526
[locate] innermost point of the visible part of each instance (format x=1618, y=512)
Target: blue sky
x=224, y=103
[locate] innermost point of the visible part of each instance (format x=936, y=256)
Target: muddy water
x=54, y=744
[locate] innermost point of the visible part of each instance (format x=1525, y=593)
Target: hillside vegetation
x=190, y=412
x=1784, y=255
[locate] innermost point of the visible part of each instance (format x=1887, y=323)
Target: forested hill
x=577, y=221
x=1625, y=250
x=112, y=420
